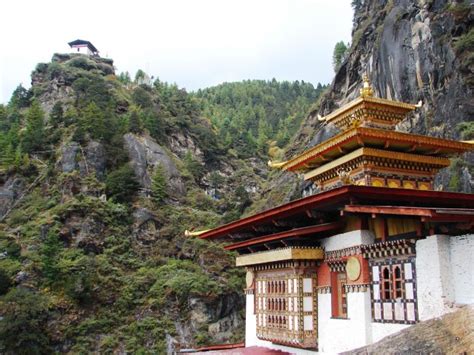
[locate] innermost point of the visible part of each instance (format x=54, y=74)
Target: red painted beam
x=297, y=232
x=341, y=196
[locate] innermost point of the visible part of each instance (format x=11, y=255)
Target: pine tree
x=57, y=114
x=50, y=256
x=158, y=185
x=338, y=55
x=134, y=122
x=34, y=136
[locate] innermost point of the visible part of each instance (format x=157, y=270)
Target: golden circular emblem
x=353, y=268
x=249, y=279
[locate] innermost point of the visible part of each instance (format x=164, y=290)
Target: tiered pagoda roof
x=370, y=152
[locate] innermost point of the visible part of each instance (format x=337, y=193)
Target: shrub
x=23, y=328
x=121, y=184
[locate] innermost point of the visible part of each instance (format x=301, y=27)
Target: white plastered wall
x=462, y=267
x=445, y=274
x=347, y=240
x=337, y=335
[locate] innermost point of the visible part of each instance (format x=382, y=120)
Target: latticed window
x=394, y=291
x=286, y=307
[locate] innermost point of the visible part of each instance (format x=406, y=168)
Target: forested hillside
x=100, y=175
x=255, y=115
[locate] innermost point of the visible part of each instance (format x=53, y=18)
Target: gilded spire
x=366, y=90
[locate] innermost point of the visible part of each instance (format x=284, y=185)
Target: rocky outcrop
x=145, y=155
x=53, y=83
x=90, y=159
x=220, y=316
x=10, y=191
x=408, y=50
x=180, y=143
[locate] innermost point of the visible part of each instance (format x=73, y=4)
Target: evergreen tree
x=50, y=251
x=134, y=122
x=34, y=135
x=194, y=167
x=338, y=55
x=23, y=329
x=93, y=121
x=121, y=184
x=158, y=185
x=20, y=98
x=56, y=116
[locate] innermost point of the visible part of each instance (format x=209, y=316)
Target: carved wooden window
x=286, y=308
x=393, y=290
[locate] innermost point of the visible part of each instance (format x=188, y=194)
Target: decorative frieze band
x=337, y=266
x=357, y=288
x=335, y=255
x=323, y=289
x=389, y=248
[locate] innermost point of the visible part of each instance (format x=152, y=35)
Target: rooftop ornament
x=276, y=165
x=366, y=90
x=195, y=234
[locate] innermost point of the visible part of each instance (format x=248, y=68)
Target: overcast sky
x=194, y=43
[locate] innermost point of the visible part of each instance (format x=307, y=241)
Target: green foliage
x=20, y=98
x=56, y=116
x=465, y=43
x=121, y=184
x=142, y=98
x=339, y=54
x=23, y=329
x=5, y=282
x=124, y=78
x=246, y=115
x=50, y=255
x=158, y=185
x=139, y=75
x=135, y=124
x=34, y=135
x=467, y=130
x=180, y=279
x=193, y=166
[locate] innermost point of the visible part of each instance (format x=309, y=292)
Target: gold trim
x=371, y=100
x=270, y=256
x=333, y=142
x=378, y=153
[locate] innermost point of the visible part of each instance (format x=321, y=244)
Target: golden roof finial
x=366, y=90
x=276, y=165
x=195, y=234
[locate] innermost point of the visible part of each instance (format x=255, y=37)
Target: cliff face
x=412, y=51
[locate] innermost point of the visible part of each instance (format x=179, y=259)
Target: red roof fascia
x=290, y=208
x=344, y=193
x=297, y=232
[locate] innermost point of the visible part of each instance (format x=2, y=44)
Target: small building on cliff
x=373, y=251
x=84, y=47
